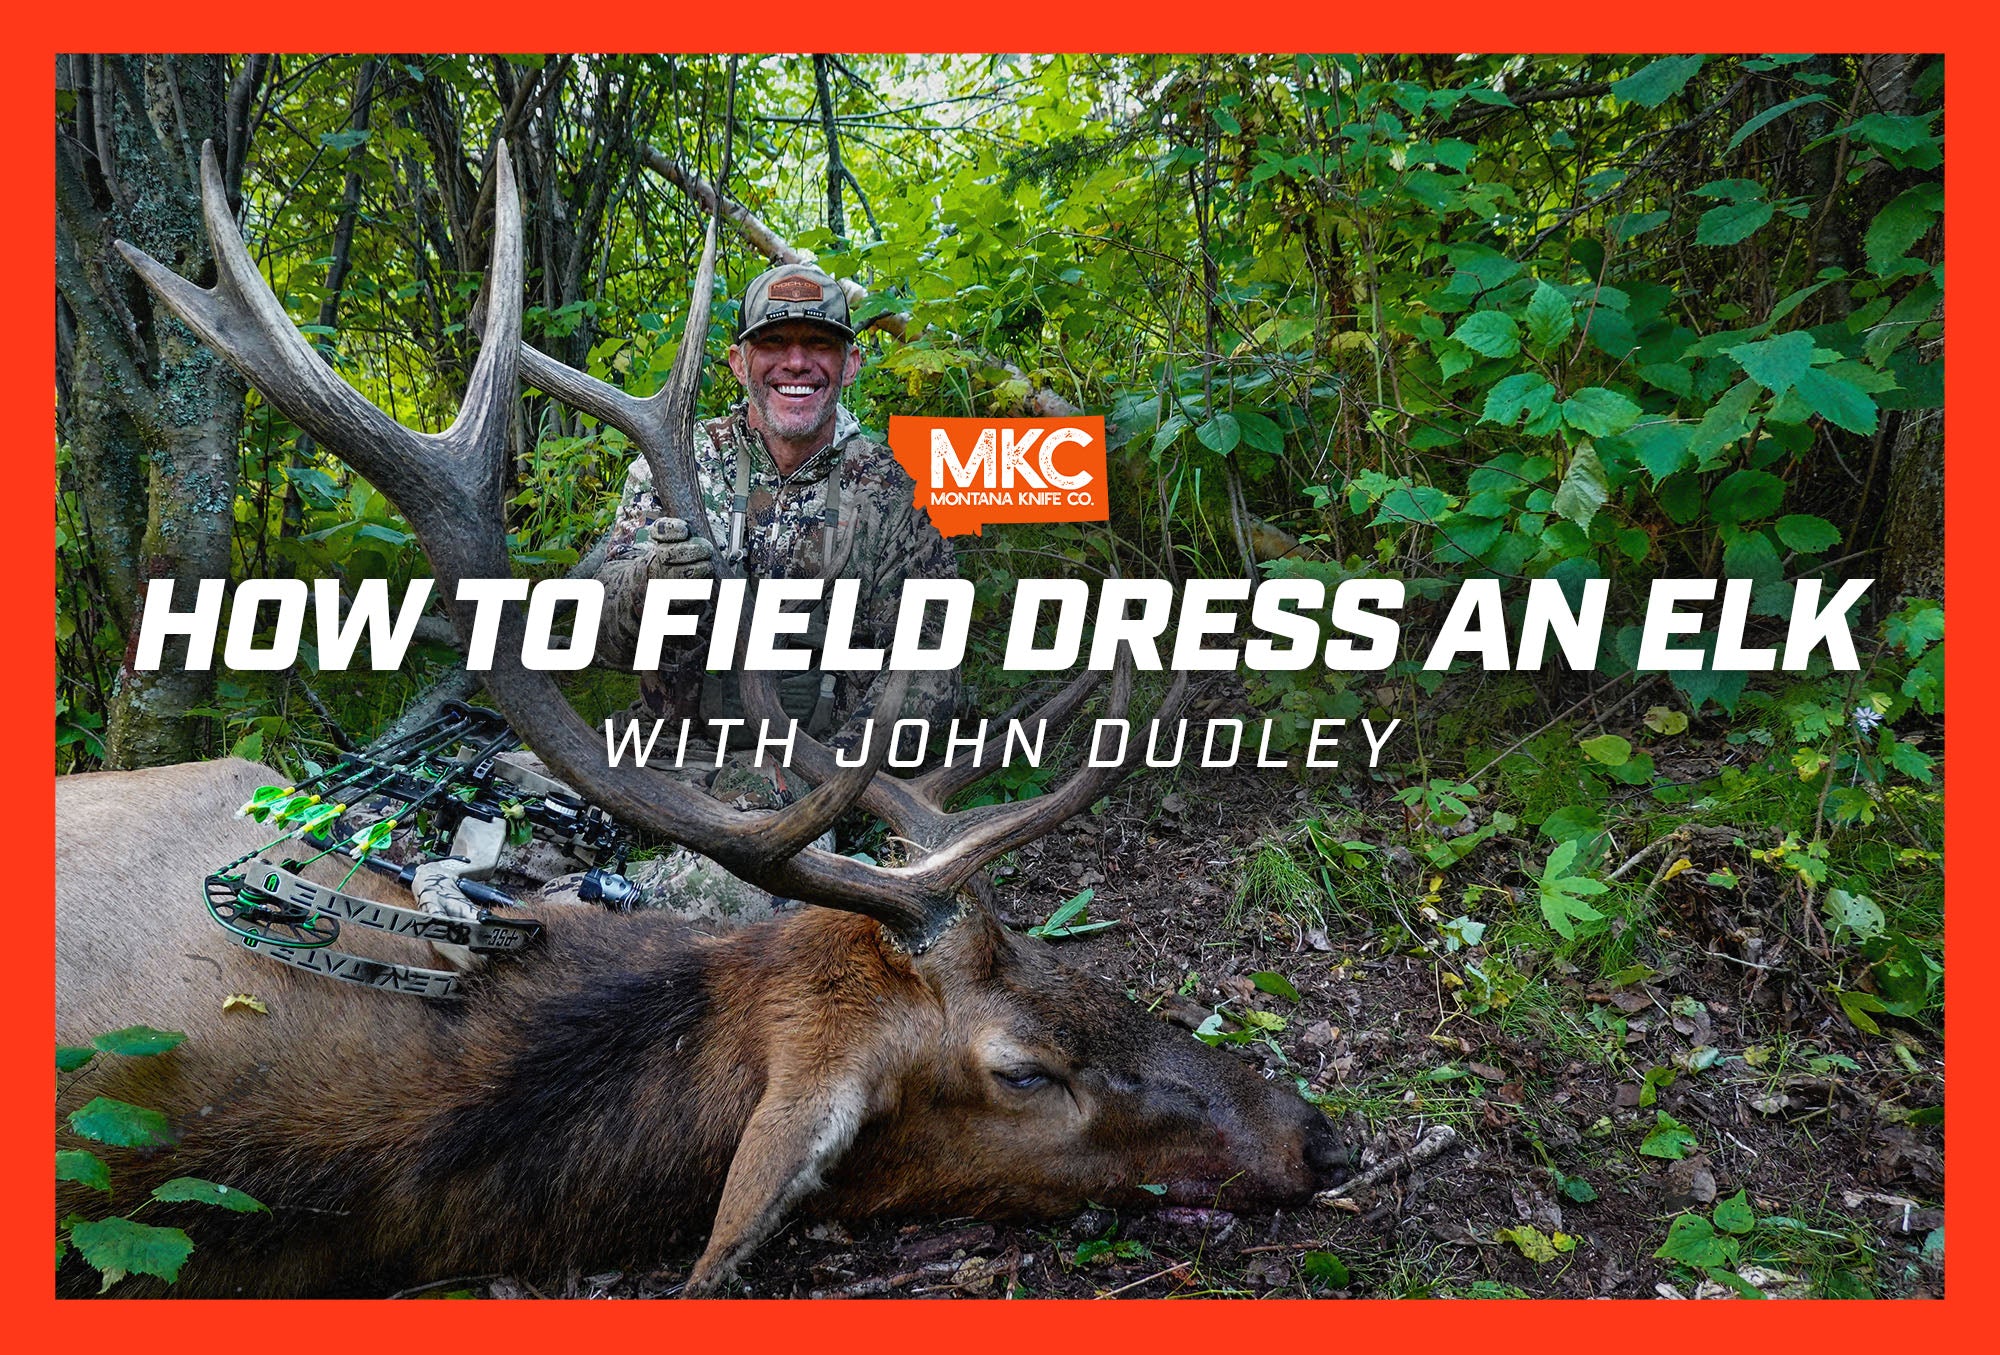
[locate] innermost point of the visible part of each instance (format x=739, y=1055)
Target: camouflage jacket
x=882, y=539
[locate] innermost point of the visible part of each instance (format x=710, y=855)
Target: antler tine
x=979, y=835
x=939, y=785
x=886, y=797
x=959, y=844
x=660, y=424
x=822, y=807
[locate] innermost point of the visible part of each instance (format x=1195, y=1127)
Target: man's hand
x=673, y=552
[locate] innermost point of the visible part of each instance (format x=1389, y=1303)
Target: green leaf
x=1491, y=334
x=1583, y=489
x=1731, y=1280
x=1905, y=140
x=1276, y=984
x=1259, y=432
x=1462, y=931
x=1746, y=496
x=1609, y=749
x=1668, y=1139
x=1856, y=913
x=1534, y=1244
x=1548, y=316
x=1692, y=1241
x=1526, y=393
x=138, y=1041
x=1912, y=762
x=1578, y=1189
x=1661, y=446
x=1629, y=226
x=1325, y=1267
x=1668, y=376
x=1734, y=1215
x=193, y=1190
x=1731, y=224
x=1726, y=421
x=1860, y=1008
x=1807, y=535
x=1562, y=895
x=1572, y=824
x=1838, y=401
x=1665, y=720
x=1918, y=626
x=84, y=1168
x=120, y=1124
x=1412, y=503
x=1656, y=1078
x=71, y=1057
x=1599, y=412
x=1902, y=223
x=120, y=1247
x=1220, y=434
x=1654, y=84
x=1775, y=364
x=1752, y=556
x=1771, y=114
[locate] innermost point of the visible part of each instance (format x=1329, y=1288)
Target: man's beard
x=791, y=424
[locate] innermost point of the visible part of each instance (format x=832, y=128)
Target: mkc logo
x=970, y=472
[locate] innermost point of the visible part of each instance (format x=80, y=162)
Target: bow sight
x=412, y=793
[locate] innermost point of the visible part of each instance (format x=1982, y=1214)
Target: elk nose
x=1329, y=1157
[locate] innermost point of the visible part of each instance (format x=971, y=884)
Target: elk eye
x=1021, y=1079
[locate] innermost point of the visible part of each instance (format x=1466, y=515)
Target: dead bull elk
x=894, y=1049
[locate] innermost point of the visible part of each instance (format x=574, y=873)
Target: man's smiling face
x=792, y=373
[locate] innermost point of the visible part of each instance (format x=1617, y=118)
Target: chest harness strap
x=821, y=719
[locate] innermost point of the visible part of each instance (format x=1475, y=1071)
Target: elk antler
x=448, y=487
x=915, y=808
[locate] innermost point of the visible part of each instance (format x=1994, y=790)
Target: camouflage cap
x=793, y=291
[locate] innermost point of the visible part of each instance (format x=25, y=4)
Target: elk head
x=1045, y=1092
x=914, y=1053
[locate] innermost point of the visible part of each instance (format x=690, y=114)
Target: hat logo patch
x=795, y=289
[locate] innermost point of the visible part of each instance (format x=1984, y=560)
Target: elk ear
x=794, y=1136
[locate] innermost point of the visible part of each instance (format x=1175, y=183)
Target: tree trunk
x=836, y=218
x=1913, y=517
x=153, y=414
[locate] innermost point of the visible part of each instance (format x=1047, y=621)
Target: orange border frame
x=1051, y=25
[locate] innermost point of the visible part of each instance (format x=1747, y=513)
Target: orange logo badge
x=970, y=472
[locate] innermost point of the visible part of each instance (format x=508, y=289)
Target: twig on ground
x=1158, y=1274
x=1636, y=857
x=1716, y=954
x=1434, y=1142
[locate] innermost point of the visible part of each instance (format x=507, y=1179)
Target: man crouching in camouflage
x=794, y=490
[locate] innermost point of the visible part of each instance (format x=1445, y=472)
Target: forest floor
x=1592, y=1112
